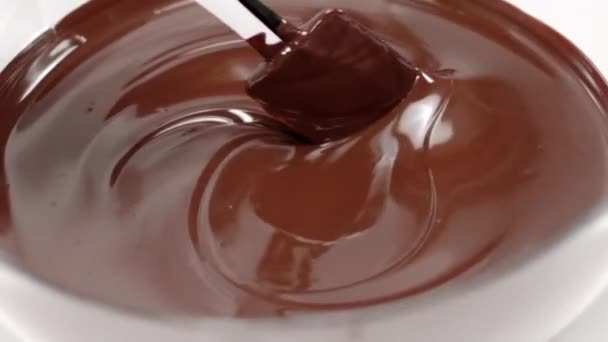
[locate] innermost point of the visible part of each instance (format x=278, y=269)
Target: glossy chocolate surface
x=139, y=172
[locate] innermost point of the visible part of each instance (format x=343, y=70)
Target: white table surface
x=582, y=21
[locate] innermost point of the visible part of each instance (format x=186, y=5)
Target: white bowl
x=523, y=305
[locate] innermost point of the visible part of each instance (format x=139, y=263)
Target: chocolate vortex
x=140, y=173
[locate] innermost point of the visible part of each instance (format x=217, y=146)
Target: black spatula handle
x=265, y=14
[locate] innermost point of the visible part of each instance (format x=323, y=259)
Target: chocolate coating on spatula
x=331, y=79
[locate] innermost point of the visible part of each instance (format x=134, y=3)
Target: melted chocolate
x=141, y=174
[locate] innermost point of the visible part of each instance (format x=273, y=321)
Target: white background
x=583, y=21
